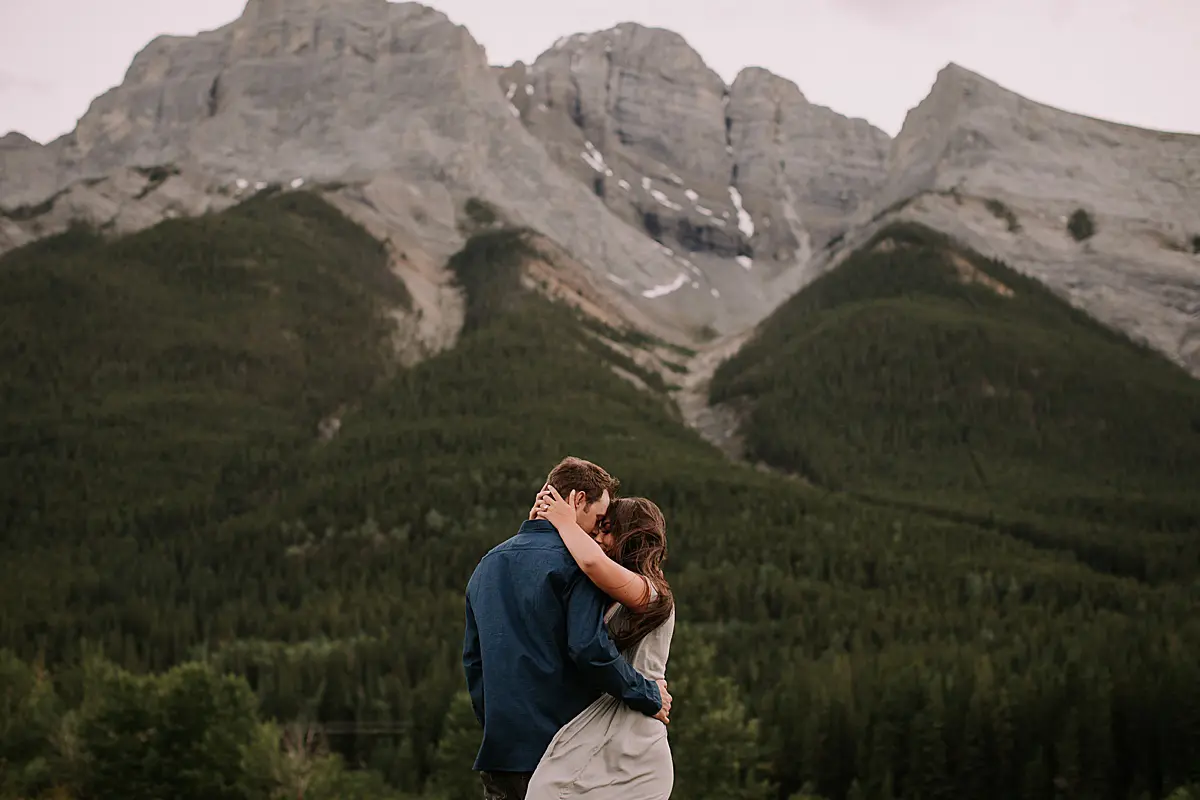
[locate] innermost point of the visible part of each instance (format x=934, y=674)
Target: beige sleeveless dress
x=610, y=752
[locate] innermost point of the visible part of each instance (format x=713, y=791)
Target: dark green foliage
x=633, y=337
x=613, y=338
x=1196, y=243
x=171, y=371
x=179, y=735
x=849, y=646
x=458, y=743
x=1081, y=225
x=649, y=377
x=155, y=176
x=158, y=173
x=894, y=208
x=29, y=720
x=1002, y=212
x=188, y=733
x=480, y=213
x=653, y=225
x=894, y=377
x=488, y=270
x=723, y=745
x=33, y=211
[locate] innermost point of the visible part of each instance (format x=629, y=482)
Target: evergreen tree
x=716, y=744
x=1035, y=778
x=29, y=719
x=454, y=777
x=929, y=774
x=179, y=735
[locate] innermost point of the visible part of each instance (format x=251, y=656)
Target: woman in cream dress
x=610, y=752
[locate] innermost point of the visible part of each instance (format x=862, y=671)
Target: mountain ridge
x=702, y=204
x=1004, y=174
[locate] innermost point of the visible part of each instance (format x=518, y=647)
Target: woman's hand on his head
x=537, y=503
x=552, y=507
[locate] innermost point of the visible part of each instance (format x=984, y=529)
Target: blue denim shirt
x=536, y=652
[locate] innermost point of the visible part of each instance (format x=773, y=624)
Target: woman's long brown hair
x=639, y=533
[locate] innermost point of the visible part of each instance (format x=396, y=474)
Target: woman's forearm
x=626, y=587
x=586, y=551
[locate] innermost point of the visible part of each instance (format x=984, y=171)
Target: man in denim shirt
x=536, y=652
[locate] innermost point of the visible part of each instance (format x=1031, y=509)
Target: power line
x=351, y=728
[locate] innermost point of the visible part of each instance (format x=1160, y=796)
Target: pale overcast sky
x=1133, y=61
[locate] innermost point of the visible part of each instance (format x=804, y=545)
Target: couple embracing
x=568, y=630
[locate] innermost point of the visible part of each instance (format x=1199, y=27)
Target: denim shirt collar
x=537, y=526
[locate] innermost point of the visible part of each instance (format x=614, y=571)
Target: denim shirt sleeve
x=473, y=663
x=594, y=653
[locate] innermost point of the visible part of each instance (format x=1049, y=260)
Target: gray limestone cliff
x=742, y=180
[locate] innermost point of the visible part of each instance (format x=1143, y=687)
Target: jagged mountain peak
x=15, y=139
x=272, y=9
x=959, y=88
x=738, y=179
x=633, y=30
x=762, y=77
x=255, y=8
x=633, y=46
x=957, y=73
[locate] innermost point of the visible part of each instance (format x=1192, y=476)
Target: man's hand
x=664, y=714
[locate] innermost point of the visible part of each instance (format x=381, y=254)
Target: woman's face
x=603, y=535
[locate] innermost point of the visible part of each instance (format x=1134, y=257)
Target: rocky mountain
x=390, y=106
x=743, y=180
x=693, y=206
x=1004, y=175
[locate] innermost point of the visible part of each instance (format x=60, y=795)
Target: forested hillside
x=921, y=374
x=158, y=379
x=172, y=514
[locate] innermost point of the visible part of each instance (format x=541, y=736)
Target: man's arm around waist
x=593, y=652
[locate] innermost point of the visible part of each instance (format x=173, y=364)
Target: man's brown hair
x=575, y=474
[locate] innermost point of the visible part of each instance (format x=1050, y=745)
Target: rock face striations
x=696, y=205
x=741, y=180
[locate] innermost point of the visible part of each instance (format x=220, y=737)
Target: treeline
x=828, y=645
x=197, y=732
